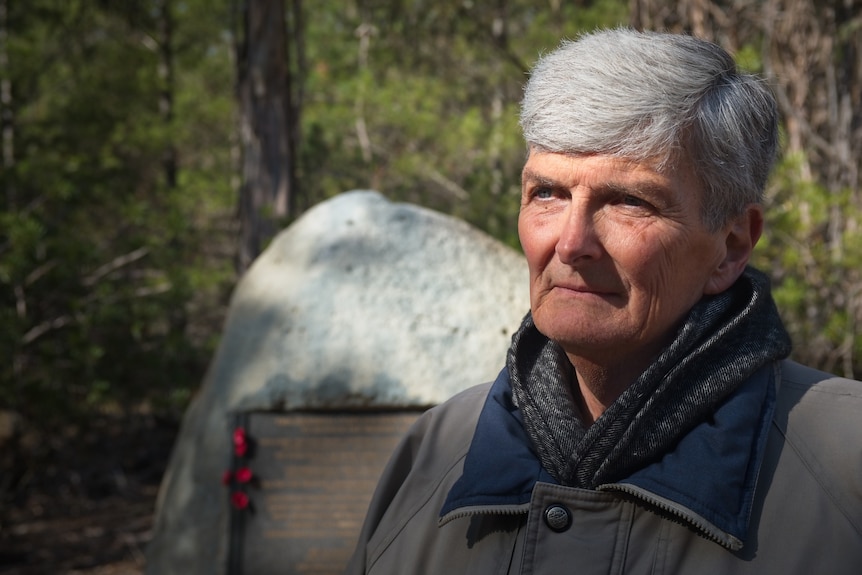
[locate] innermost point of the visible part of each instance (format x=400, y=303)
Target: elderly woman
x=647, y=420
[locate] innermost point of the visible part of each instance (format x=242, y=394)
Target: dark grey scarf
x=724, y=340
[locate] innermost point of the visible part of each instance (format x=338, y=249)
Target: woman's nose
x=578, y=239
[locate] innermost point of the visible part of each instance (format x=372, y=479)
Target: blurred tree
x=122, y=160
x=269, y=122
x=124, y=149
x=114, y=218
x=419, y=99
x=7, y=120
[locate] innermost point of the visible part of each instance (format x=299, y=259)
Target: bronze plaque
x=312, y=477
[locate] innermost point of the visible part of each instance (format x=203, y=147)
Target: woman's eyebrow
x=648, y=189
x=536, y=178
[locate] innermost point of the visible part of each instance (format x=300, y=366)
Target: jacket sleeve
x=435, y=443
x=394, y=475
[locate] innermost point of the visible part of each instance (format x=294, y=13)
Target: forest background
x=149, y=149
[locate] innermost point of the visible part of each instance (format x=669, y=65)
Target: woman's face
x=618, y=253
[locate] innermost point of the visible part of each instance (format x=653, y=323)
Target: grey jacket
x=803, y=513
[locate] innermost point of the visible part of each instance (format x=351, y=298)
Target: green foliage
x=434, y=87
x=112, y=279
x=748, y=59
x=113, y=275
x=815, y=266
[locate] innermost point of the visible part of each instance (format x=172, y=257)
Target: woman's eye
x=633, y=201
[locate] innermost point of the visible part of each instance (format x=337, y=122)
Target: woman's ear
x=740, y=235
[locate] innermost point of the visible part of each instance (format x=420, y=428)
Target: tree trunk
x=296, y=75
x=166, y=90
x=265, y=128
x=7, y=128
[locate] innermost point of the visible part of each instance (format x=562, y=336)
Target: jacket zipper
x=704, y=526
x=522, y=509
x=709, y=530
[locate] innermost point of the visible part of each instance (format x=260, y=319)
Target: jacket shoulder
x=806, y=395
x=451, y=423
x=424, y=465
x=820, y=416
x=436, y=442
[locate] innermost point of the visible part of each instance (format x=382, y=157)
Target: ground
x=81, y=501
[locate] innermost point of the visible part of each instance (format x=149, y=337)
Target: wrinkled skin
x=618, y=254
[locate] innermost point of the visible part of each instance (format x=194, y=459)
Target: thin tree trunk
x=264, y=127
x=296, y=75
x=7, y=124
x=166, y=92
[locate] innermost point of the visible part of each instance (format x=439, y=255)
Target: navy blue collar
x=712, y=471
x=501, y=467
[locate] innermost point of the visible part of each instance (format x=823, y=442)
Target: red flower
x=244, y=475
x=239, y=500
x=226, y=477
x=240, y=442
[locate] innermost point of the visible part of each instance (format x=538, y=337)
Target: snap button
x=558, y=518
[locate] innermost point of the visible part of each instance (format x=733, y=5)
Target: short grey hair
x=650, y=96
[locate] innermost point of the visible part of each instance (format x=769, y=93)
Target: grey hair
x=650, y=96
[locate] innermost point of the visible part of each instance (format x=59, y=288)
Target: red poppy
x=239, y=500
x=244, y=475
x=240, y=442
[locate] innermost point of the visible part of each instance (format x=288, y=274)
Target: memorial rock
x=362, y=306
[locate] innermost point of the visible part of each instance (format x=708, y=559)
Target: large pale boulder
x=360, y=303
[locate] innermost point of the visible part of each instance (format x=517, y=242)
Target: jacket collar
x=501, y=467
x=710, y=476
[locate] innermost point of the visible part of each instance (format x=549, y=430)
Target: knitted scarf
x=724, y=339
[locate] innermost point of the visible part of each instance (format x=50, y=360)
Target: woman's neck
x=600, y=384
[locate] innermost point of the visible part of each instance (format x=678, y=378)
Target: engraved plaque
x=313, y=475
